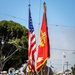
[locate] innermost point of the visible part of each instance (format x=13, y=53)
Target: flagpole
x=44, y=5
x=28, y=58
x=38, y=37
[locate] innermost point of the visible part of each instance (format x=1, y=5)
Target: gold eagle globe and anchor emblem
x=42, y=38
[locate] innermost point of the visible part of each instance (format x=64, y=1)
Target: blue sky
x=59, y=12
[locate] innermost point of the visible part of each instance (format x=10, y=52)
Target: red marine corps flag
x=31, y=43
x=44, y=46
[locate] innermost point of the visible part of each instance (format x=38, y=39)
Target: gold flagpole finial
x=44, y=4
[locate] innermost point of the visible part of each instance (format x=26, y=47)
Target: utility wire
x=61, y=25
x=12, y=16
x=62, y=49
x=39, y=23
x=56, y=25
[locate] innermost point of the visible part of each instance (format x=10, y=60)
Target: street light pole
x=63, y=56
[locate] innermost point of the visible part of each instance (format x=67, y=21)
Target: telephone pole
x=67, y=64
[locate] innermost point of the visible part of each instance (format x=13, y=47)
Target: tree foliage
x=15, y=37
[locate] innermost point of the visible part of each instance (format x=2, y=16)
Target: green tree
x=13, y=50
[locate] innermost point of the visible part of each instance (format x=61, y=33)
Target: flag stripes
x=31, y=44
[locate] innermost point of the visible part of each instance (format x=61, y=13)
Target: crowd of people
x=11, y=73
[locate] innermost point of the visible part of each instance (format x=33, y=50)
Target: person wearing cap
x=4, y=73
x=11, y=73
x=21, y=73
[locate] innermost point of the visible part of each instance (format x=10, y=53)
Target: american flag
x=31, y=43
